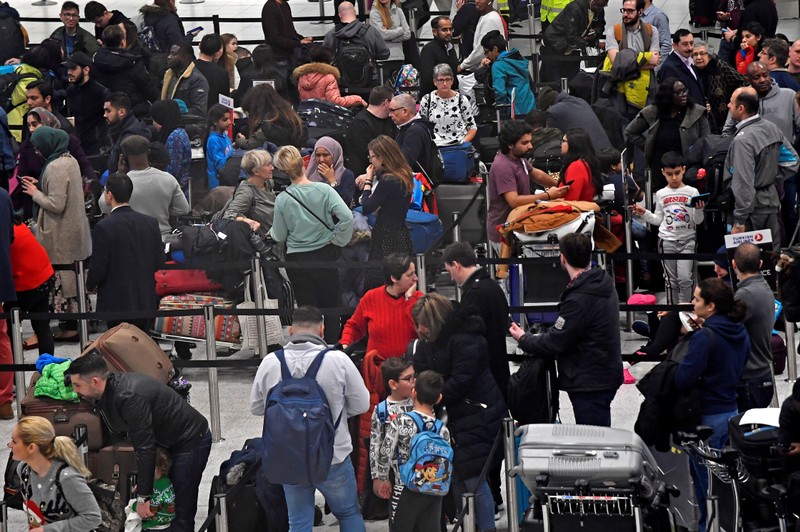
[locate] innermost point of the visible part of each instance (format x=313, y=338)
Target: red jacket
x=371, y=372
x=30, y=263
x=320, y=80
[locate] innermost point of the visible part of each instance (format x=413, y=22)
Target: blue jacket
x=715, y=362
x=218, y=148
x=510, y=71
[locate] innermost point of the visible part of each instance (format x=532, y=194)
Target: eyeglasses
x=444, y=79
x=680, y=92
x=70, y=15
x=624, y=10
x=699, y=54
x=410, y=378
x=395, y=109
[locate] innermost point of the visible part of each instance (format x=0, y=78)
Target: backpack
x=647, y=36
x=8, y=82
x=429, y=467
x=299, y=430
x=405, y=80
x=354, y=60
x=12, y=42
x=547, y=156
x=147, y=36
x=231, y=172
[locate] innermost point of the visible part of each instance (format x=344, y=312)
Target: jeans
x=341, y=494
x=718, y=422
x=755, y=393
x=186, y=473
x=592, y=408
x=484, y=502
x=36, y=300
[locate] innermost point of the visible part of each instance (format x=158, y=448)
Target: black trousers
x=318, y=287
x=36, y=300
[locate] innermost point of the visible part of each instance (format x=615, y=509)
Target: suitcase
x=128, y=348
x=116, y=465
x=456, y=198
x=226, y=328
x=600, y=456
x=425, y=229
x=182, y=281
x=64, y=415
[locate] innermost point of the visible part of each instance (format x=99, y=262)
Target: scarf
x=46, y=118
x=51, y=143
x=335, y=149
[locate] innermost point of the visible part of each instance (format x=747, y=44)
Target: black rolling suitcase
x=759, y=447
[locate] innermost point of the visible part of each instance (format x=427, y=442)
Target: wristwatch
x=143, y=500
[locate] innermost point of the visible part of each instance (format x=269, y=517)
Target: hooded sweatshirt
x=715, y=362
x=777, y=107
x=372, y=40
x=320, y=80
x=510, y=72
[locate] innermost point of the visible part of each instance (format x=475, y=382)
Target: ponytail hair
x=720, y=293
x=38, y=430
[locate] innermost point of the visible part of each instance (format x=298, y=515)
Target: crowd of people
x=110, y=121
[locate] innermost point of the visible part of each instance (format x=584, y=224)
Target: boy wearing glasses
x=72, y=37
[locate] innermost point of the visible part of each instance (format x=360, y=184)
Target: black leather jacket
x=151, y=414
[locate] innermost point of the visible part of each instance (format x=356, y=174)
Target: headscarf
x=46, y=118
x=168, y=114
x=335, y=149
x=51, y=143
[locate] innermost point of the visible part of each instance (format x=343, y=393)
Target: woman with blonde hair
x=391, y=23
x=228, y=60
x=254, y=201
x=389, y=169
x=314, y=222
x=53, y=478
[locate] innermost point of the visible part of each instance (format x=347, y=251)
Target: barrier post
x=512, y=511
x=258, y=277
x=422, y=283
x=648, y=190
x=457, y=238
x=217, y=30
x=16, y=349
x=564, y=85
x=791, y=348
x=626, y=218
x=468, y=500
x=213, y=383
x=192, y=1
x=83, y=326
x=4, y=512
x=41, y=3
x=222, y=516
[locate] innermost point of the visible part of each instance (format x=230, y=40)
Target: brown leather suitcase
x=116, y=465
x=64, y=415
x=128, y=348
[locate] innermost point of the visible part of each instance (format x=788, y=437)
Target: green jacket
x=51, y=384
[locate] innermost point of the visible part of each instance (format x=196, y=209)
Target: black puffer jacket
x=151, y=414
x=585, y=337
x=415, y=138
x=475, y=407
x=120, y=70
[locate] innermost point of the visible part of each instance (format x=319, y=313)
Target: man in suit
x=126, y=253
x=679, y=65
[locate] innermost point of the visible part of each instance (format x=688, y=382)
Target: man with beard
x=183, y=81
x=438, y=50
x=122, y=123
x=85, y=97
x=510, y=178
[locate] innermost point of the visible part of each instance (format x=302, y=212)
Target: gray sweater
x=758, y=320
x=79, y=512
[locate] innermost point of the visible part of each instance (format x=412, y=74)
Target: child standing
x=218, y=145
x=412, y=511
x=677, y=227
x=162, y=502
x=398, y=377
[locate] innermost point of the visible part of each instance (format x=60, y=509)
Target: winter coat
x=51, y=383
x=396, y=34
x=190, y=86
x=719, y=80
x=120, y=70
x=568, y=111
x=510, y=72
x=167, y=26
x=121, y=131
x=585, y=337
x=371, y=372
x=152, y=414
x=84, y=42
x=475, y=406
x=642, y=129
x=673, y=67
x=415, y=138
x=320, y=80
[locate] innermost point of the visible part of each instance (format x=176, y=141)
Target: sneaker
x=627, y=378
x=498, y=511
x=641, y=328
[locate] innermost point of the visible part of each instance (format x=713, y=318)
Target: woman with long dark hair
x=270, y=118
x=391, y=177
x=581, y=170
x=714, y=365
x=53, y=478
x=752, y=36
x=673, y=123
x=167, y=123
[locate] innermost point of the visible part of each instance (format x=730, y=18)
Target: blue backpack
x=298, y=428
x=429, y=467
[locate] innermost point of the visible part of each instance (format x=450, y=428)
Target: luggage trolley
x=590, y=478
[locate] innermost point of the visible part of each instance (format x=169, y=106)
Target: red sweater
x=386, y=318
x=30, y=263
x=582, y=187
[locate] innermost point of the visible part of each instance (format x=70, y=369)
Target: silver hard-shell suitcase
x=601, y=457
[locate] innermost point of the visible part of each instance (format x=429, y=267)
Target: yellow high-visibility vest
x=552, y=8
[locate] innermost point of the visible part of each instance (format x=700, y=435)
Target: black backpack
x=354, y=60
x=324, y=114
x=547, y=156
x=12, y=42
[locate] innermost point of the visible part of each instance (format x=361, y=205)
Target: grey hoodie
x=777, y=107
x=373, y=40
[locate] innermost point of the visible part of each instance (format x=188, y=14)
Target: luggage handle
x=60, y=416
x=559, y=452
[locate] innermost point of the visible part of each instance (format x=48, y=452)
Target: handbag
x=249, y=324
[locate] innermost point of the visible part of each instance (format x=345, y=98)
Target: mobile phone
x=700, y=197
x=725, y=30
x=195, y=31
